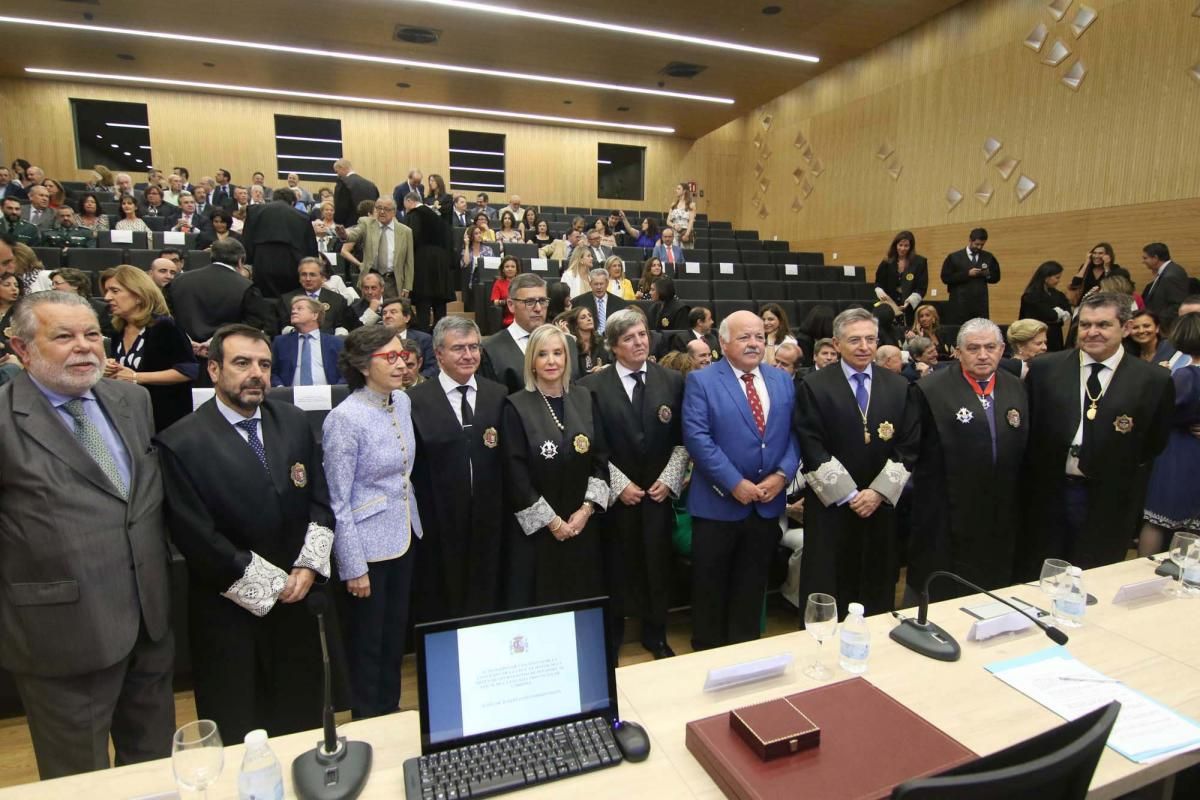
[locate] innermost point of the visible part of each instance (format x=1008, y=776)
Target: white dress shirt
x=1105, y=377
x=520, y=335
x=849, y=372
x=627, y=379
x=318, y=358
x=389, y=243
x=234, y=417
x=454, y=396
x=760, y=386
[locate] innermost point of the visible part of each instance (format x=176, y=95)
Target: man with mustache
x=84, y=596
x=249, y=509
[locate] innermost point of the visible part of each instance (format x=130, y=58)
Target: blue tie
x=250, y=426
x=600, y=315
x=860, y=392
x=305, y=361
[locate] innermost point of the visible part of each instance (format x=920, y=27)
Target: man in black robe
x=248, y=507
x=432, y=283
x=966, y=507
x=1098, y=418
x=504, y=352
x=858, y=440
x=457, y=478
x=276, y=237
x=637, y=403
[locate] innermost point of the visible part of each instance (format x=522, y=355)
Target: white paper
x=174, y=237
x=201, y=396
x=491, y=262
x=538, y=264
x=312, y=398
x=124, y=237
x=747, y=672
x=692, y=267
x=1011, y=622
x=848, y=271
x=726, y=268
x=331, y=258
x=513, y=673
x=791, y=269
x=1141, y=589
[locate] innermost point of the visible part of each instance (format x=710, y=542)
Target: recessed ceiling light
x=613, y=27
x=126, y=152
x=300, y=50
x=224, y=88
x=771, y=11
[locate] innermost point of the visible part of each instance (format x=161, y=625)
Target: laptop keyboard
x=504, y=765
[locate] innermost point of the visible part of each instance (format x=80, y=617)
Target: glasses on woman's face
x=391, y=356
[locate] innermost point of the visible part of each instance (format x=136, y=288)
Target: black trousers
x=730, y=561
x=425, y=309
x=70, y=718
x=275, y=270
x=375, y=636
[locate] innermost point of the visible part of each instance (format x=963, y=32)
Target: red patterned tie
x=755, y=403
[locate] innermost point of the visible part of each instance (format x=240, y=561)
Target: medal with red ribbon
x=982, y=390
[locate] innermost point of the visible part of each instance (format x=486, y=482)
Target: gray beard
x=57, y=378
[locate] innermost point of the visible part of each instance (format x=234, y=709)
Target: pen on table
x=1088, y=680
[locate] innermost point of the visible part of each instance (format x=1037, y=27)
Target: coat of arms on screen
x=518, y=645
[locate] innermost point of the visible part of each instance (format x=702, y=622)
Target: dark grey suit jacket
x=504, y=362
x=81, y=569
x=44, y=223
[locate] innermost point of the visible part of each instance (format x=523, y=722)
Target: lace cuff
x=830, y=482
x=318, y=543
x=617, y=482
x=672, y=474
x=536, y=517
x=890, y=481
x=597, y=492
x=259, y=586
x=913, y=300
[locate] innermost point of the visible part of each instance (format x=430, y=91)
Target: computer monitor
x=514, y=671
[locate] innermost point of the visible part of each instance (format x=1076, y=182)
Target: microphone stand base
x=928, y=640
x=340, y=775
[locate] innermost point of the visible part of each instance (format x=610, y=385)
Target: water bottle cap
x=256, y=738
x=1075, y=572
x=857, y=608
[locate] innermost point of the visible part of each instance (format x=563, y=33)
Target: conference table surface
x=1151, y=645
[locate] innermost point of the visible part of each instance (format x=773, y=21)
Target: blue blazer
x=722, y=439
x=660, y=252
x=285, y=355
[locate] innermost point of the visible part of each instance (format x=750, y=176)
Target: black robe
x=899, y=286
x=966, y=508
x=1040, y=305
x=504, y=363
x=545, y=474
x=671, y=316
x=1132, y=424
x=844, y=555
x=458, y=562
x=641, y=451
x=968, y=295
x=432, y=249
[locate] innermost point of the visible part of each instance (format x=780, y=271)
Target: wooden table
x=1153, y=646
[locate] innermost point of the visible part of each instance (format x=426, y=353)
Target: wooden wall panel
x=545, y=164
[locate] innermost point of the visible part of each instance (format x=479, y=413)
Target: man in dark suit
x=700, y=324
x=974, y=422
x=599, y=300
x=638, y=404
x=504, y=352
x=337, y=319
x=456, y=420
x=153, y=205
x=204, y=206
x=249, y=510
x=222, y=195
x=599, y=253
x=84, y=594
x=737, y=428
x=397, y=314
x=967, y=274
x=276, y=238
x=1168, y=288
x=412, y=184
x=858, y=440
x=306, y=356
x=190, y=220
x=350, y=190
x=11, y=188
x=204, y=299
x=1099, y=417
x=368, y=309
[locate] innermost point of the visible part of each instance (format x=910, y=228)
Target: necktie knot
x=250, y=426
x=637, y=376
x=1096, y=368
x=748, y=378
x=74, y=407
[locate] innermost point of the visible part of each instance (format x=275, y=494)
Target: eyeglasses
x=534, y=302
x=392, y=356
x=460, y=349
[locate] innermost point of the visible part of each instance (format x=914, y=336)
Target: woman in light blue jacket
x=368, y=443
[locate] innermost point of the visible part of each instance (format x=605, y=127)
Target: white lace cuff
x=672, y=474
x=318, y=543
x=597, y=492
x=259, y=586
x=617, y=481
x=913, y=300
x=890, y=481
x=830, y=482
x=536, y=517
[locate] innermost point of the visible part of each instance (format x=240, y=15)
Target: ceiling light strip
x=126, y=125
x=301, y=172
x=307, y=139
x=478, y=185
x=305, y=158
x=351, y=99
x=525, y=14
x=362, y=57
x=457, y=168
x=477, y=152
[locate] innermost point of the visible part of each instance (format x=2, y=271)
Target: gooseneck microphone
x=930, y=640
x=335, y=769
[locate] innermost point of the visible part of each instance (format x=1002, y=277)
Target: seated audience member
x=10, y=187
x=369, y=448
x=89, y=215
x=647, y=234
x=922, y=358
x=559, y=295
x=172, y=254
x=889, y=357
x=593, y=355
x=576, y=275
x=482, y=222
x=10, y=293
x=38, y=212
x=410, y=352
x=1044, y=302
x=562, y=249
x=788, y=357
x=65, y=233
x=81, y=495
x=102, y=181
x=508, y=231
x=220, y=228
x=368, y=309
x=475, y=248
x=460, y=215
x=131, y=218
x=528, y=222
x=623, y=234
x=19, y=229
x=698, y=354
x=306, y=356
x=397, y=315
x=31, y=273
x=509, y=267
x=605, y=231
x=775, y=324
x=481, y=207
x=928, y=325
x=618, y=284
x=149, y=349
x=599, y=301
x=258, y=194
x=683, y=364
x=539, y=233
x=153, y=205
x=329, y=240
x=163, y=271
x=203, y=207
x=670, y=252
x=123, y=184
x=1027, y=339
x=189, y=220
x=825, y=353
x=700, y=328
x=1146, y=339
x=58, y=194
x=579, y=225
x=174, y=190
x=336, y=318
x=668, y=313
x=302, y=194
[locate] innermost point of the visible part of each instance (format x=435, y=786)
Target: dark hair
x=978, y=233
x=651, y=227
x=170, y=251
x=1118, y=302
x=286, y=195
x=559, y=293
x=781, y=315
x=603, y=221
x=183, y=172
x=1190, y=300
x=228, y=251
x=646, y=281
x=226, y=173
x=818, y=323
x=406, y=307
x=356, y=352
x=597, y=341
x=481, y=194
x=121, y=201
x=1107, y=248
x=1048, y=269
x=1157, y=250
x=899, y=237
x=152, y=188
x=1145, y=312
x=83, y=198
x=665, y=288
x=441, y=185
x=516, y=262
x=697, y=315
x=257, y=172
x=503, y=214
x=1186, y=334
x=525, y=216
x=20, y=165
x=223, y=215
x=216, y=345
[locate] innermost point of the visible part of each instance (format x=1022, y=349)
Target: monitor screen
x=494, y=676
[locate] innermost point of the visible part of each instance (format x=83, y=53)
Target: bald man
x=698, y=350
x=163, y=271
x=350, y=190
x=888, y=357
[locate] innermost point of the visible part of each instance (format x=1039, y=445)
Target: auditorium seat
x=138, y=240
x=158, y=240
x=51, y=257
x=811, y=258
x=695, y=254
x=692, y=270
x=693, y=290
x=520, y=249
x=731, y=290
x=644, y=305
x=628, y=254
x=762, y=272
x=755, y=256
x=802, y=309
x=140, y=258
x=155, y=223
x=93, y=259
x=746, y=235
x=732, y=256
x=544, y=210
x=775, y=246
x=577, y=211
x=719, y=225
x=723, y=308
x=194, y=259
x=802, y=290
x=768, y=290
x=729, y=272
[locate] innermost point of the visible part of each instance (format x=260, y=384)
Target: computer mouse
x=632, y=739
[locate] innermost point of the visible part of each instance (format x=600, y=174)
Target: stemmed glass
x=197, y=755
x=1183, y=547
x=1054, y=583
x=820, y=620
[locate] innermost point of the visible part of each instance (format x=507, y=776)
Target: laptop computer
x=513, y=699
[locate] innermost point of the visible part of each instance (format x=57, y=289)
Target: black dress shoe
x=659, y=650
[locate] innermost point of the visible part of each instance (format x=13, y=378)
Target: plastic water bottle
x=855, y=641
x=260, y=778
x=1069, y=607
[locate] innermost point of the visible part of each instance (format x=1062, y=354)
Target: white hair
x=849, y=317
x=978, y=325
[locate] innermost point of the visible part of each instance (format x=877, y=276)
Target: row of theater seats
x=489, y=268
x=95, y=260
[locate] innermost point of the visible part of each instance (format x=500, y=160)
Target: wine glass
x=1182, y=543
x=197, y=755
x=820, y=620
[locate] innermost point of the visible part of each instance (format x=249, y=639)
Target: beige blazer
x=402, y=253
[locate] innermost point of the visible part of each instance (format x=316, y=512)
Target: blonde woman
x=1027, y=338
x=576, y=274
x=618, y=284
